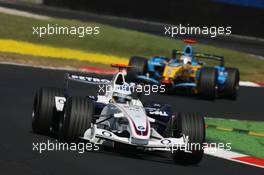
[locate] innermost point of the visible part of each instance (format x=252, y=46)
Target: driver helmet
x=122, y=94
x=185, y=59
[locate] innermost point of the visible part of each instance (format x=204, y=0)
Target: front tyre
x=44, y=109
x=191, y=125
x=232, y=83
x=77, y=118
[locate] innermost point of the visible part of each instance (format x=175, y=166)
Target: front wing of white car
x=99, y=136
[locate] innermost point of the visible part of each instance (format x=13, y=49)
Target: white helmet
x=185, y=59
x=121, y=93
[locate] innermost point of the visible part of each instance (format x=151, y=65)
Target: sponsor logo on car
x=161, y=113
x=107, y=134
x=89, y=79
x=141, y=128
x=165, y=141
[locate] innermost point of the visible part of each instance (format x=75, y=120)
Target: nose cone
x=188, y=50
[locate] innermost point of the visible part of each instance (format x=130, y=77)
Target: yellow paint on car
x=184, y=71
x=26, y=48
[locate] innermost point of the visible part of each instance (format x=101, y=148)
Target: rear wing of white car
x=118, y=82
x=84, y=79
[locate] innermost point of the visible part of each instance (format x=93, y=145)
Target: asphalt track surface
x=17, y=87
x=252, y=46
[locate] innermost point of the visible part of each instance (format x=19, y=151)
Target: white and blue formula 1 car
x=118, y=118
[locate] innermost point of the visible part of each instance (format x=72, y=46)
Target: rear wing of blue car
x=201, y=55
x=211, y=57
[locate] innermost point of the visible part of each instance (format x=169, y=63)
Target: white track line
x=249, y=84
x=41, y=67
x=22, y=13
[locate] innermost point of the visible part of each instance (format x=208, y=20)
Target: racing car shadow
x=188, y=94
x=182, y=93
x=154, y=156
x=146, y=156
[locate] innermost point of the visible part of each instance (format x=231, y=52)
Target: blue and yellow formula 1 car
x=185, y=71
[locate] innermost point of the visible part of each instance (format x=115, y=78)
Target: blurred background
x=245, y=16
x=132, y=27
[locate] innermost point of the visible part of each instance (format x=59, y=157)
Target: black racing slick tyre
x=232, y=83
x=44, y=109
x=138, y=67
x=208, y=83
x=77, y=118
x=193, y=126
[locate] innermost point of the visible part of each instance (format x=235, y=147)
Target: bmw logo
x=141, y=128
x=106, y=133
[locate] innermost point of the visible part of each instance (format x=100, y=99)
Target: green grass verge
x=243, y=143
x=121, y=42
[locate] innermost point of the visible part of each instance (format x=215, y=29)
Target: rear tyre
x=44, y=109
x=138, y=67
x=208, y=83
x=232, y=83
x=192, y=125
x=77, y=118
